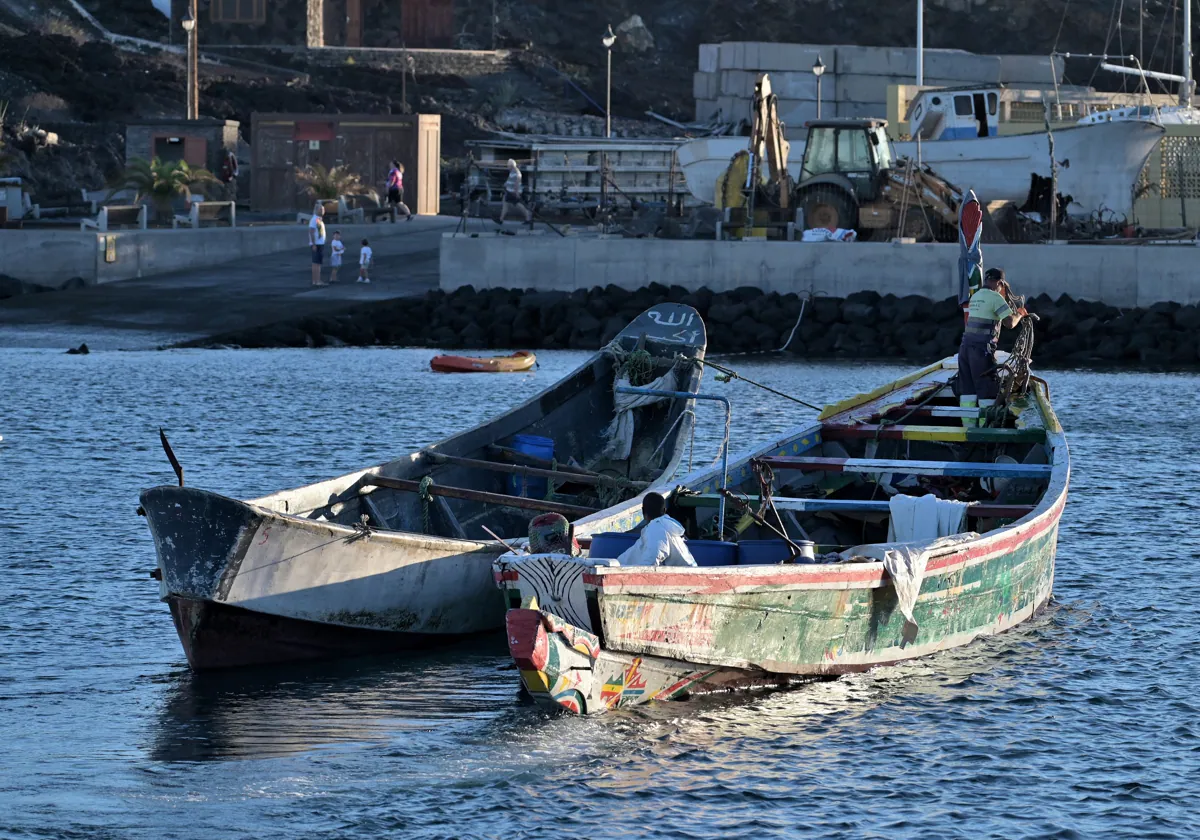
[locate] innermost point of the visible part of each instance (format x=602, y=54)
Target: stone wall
x=865, y=325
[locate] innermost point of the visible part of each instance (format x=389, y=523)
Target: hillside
x=56, y=72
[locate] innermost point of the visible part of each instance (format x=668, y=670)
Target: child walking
x=335, y=259
x=364, y=263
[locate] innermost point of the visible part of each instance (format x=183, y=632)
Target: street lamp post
x=193, y=55
x=818, y=71
x=609, y=39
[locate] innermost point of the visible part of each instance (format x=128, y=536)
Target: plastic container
x=539, y=447
x=713, y=553
x=611, y=545
x=762, y=552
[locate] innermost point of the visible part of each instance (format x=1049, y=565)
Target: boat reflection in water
x=289, y=709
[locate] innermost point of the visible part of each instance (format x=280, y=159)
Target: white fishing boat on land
x=1098, y=163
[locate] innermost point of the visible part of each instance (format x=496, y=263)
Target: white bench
x=95, y=198
x=207, y=211
x=115, y=215
x=335, y=211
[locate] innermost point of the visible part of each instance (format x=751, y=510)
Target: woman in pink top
x=395, y=188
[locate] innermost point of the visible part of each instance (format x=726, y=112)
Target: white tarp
x=620, y=431
x=924, y=518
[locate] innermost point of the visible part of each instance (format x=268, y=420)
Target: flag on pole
x=970, y=257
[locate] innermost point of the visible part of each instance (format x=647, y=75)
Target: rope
x=796, y=326
x=733, y=374
x=426, y=498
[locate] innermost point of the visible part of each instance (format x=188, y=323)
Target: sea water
x=1082, y=722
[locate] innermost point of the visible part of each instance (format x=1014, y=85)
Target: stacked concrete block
x=856, y=79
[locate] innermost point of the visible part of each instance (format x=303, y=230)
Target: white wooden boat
x=396, y=556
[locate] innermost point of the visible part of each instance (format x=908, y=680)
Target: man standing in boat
x=661, y=541
x=988, y=311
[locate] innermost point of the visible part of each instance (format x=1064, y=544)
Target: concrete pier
x=50, y=257
x=1117, y=275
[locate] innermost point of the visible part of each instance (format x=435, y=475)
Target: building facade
x=417, y=24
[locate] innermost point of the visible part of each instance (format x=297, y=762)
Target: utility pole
x=920, y=42
x=1185, y=95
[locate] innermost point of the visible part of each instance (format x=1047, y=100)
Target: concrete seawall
x=52, y=257
x=1117, y=275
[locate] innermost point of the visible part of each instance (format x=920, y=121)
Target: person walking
x=987, y=313
x=364, y=263
x=512, y=193
x=395, y=191
x=316, y=242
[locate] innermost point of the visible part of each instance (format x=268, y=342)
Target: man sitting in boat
x=661, y=541
x=988, y=310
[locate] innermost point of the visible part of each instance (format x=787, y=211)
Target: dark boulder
x=81, y=350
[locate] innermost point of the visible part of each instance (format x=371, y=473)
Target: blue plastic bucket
x=762, y=552
x=713, y=552
x=608, y=546
x=539, y=447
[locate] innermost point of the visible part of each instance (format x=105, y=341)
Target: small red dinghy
x=517, y=362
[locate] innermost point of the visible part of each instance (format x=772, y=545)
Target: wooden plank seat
x=981, y=509
x=963, y=469
x=541, y=505
x=114, y=216
x=944, y=434
x=207, y=211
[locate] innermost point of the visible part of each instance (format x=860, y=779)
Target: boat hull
x=516, y=363
x=226, y=564
x=668, y=633
x=216, y=635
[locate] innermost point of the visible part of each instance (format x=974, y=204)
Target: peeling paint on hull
x=216, y=635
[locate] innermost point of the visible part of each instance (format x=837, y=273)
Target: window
x=819, y=155
x=853, y=153
x=962, y=106
x=239, y=11
x=992, y=100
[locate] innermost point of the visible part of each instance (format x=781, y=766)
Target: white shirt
x=364, y=256
x=513, y=184
x=660, y=544
x=316, y=230
x=338, y=247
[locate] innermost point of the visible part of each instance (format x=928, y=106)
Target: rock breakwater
x=865, y=325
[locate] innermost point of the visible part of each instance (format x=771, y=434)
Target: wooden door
x=354, y=23
x=274, y=182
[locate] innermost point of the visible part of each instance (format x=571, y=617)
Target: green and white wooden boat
x=588, y=635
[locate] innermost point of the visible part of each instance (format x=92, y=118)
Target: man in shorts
x=316, y=242
x=987, y=312
x=512, y=193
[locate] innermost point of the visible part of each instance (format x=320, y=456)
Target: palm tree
x=161, y=182
x=328, y=184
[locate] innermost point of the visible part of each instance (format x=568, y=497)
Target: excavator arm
x=769, y=143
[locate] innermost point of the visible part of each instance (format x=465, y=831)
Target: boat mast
x=921, y=42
